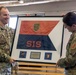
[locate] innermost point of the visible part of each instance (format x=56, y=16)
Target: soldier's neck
x=1, y=24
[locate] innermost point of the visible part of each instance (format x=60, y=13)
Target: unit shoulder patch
x=73, y=46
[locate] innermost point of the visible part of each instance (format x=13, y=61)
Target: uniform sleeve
x=69, y=60
x=4, y=57
x=11, y=32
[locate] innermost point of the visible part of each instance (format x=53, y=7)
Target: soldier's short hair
x=2, y=7
x=69, y=18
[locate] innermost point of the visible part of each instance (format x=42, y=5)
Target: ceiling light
x=3, y=2
x=21, y=1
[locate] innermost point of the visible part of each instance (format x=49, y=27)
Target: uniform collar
x=2, y=27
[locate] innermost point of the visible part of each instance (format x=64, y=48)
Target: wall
x=52, y=8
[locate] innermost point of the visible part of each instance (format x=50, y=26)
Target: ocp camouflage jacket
x=69, y=62
x=6, y=37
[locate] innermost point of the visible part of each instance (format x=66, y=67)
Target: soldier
x=6, y=36
x=69, y=62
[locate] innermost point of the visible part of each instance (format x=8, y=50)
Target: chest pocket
x=2, y=39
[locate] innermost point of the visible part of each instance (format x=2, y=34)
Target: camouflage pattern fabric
x=5, y=71
x=6, y=36
x=69, y=62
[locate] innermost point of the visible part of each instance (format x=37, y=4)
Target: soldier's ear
x=74, y=25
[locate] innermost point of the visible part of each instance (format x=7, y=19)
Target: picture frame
x=66, y=38
x=38, y=39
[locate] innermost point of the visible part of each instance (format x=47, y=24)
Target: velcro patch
x=73, y=46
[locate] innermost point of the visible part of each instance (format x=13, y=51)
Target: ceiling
x=8, y=0
x=34, y=0
x=24, y=2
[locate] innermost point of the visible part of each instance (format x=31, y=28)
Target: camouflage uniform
x=69, y=62
x=6, y=36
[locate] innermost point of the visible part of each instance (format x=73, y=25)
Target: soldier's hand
x=11, y=60
x=57, y=63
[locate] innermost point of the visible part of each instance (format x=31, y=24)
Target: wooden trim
x=39, y=68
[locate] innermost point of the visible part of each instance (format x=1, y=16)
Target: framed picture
x=38, y=39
